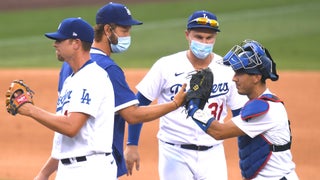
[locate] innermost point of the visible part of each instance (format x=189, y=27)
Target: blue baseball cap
x=115, y=13
x=203, y=19
x=73, y=28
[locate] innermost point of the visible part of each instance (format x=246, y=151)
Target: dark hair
x=99, y=31
x=86, y=45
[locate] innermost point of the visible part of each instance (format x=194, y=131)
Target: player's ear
x=257, y=78
x=187, y=33
x=107, y=29
x=77, y=43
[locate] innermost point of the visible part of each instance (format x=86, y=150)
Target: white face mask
x=201, y=50
x=123, y=44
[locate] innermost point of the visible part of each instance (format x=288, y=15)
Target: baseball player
x=263, y=129
x=185, y=151
x=112, y=35
x=117, y=14
x=83, y=122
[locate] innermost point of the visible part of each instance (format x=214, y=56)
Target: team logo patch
x=85, y=97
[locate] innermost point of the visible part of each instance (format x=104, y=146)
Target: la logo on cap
x=205, y=15
x=128, y=11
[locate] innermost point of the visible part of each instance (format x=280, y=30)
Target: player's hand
x=25, y=109
x=180, y=97
x=131, y=155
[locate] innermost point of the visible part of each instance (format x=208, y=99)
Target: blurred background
x=289, y=28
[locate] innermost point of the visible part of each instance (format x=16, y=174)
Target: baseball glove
x=197, y=96
x=17, y=95
x=200, y=88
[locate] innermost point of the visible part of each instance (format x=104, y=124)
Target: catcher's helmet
x=252, y=58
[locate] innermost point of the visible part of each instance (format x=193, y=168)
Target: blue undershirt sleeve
x=135, y=129
x=236, y=112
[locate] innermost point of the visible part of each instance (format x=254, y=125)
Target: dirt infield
x=26, y=145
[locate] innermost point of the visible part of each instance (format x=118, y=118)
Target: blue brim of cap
x=130, y=22
x=55, y=36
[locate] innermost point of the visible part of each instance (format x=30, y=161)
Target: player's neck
x=79, y=60
x=257, y=91
x=102, y=47
x=199, y=63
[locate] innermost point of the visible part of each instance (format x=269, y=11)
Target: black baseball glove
x=197, y=96
x=200, y=88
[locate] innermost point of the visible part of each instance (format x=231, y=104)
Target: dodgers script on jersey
x=164, y=80
x=80, y=93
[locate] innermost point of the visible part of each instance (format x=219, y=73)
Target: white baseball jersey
x=87, y=91
x=164, y=80
x=274, y=127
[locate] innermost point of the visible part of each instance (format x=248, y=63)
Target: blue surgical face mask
x=123, y=44
x=201, y=50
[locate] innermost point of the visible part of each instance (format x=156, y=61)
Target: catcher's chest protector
x=255, y=152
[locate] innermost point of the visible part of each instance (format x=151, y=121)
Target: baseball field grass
x=289, y=28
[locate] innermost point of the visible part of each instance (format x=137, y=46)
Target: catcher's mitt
x=17, y=95
x=200, y=88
